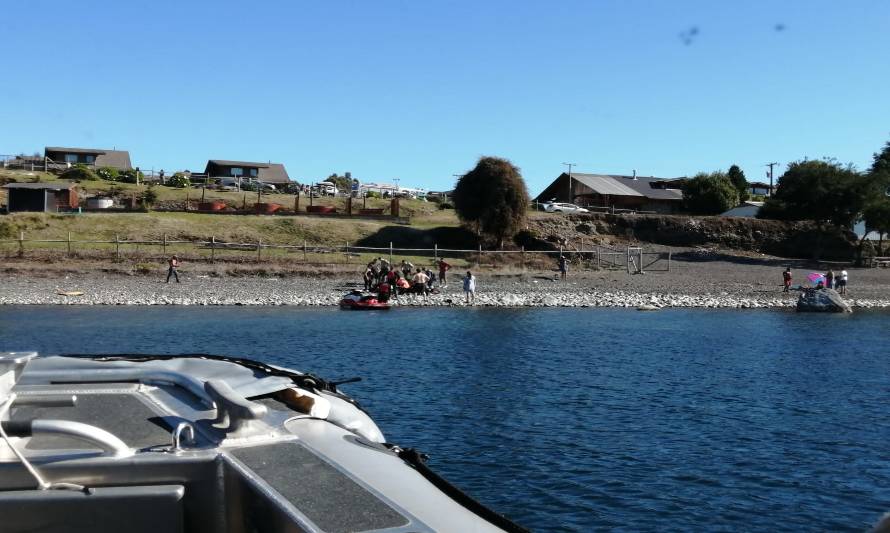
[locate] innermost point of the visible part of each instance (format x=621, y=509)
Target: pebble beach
x=690, y=285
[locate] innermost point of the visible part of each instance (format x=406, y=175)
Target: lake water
x=577, y=419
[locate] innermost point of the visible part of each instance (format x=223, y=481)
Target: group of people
x=382, y=277
x=831, y=280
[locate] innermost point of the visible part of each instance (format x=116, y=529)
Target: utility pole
x=570, y=165
x=770, y=174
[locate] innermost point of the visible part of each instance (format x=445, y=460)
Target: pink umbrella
x=815, y=278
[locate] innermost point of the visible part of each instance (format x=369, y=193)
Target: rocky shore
x=650, y=291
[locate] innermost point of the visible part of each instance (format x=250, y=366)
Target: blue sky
x=419, y=90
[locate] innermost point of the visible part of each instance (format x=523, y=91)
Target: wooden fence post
x=259, y=249
x=669, y=261
x=69, y=244
x=164, y=245
x=117, y=246
x=22, y=243
x=480, y=255
x=347, y=252
x=390, y=253
x=436, y=252
x=304, y=251
x=212, y=249
x=523, y=257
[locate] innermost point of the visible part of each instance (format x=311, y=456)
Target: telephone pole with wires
x=770, y=174
x=570, y=165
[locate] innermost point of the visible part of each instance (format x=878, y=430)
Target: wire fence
x=597, y=257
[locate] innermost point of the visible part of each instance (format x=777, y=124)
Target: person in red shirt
x=443, y=268
x=786, y=279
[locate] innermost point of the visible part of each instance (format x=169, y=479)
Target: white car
x=559, y=207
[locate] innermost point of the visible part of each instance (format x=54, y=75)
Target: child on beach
x=786, y=279
x=470, y=287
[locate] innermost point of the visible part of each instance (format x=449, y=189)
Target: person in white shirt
x=842, y=282
x=470, y=287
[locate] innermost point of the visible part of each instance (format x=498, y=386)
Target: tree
x=823, y=191
x=881, y=161
x=737, y=177
x=877, y=218
x=709, y=194
x=343, y=183
x=492, y=198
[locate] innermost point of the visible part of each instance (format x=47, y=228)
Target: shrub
x=445, y=205
x=108, y=173
x=79, y=172
x=148, y=197
x=131, y=175
x=179, y=179
x=372, y=194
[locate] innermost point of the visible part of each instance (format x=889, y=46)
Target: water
x=577, y=419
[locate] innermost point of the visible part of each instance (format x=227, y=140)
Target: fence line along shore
x=631, y=259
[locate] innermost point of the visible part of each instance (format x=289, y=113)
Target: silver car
x=560, y=207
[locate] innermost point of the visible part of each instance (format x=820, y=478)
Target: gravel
x=701, y=285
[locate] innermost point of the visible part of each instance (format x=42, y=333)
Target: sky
x=420, y=90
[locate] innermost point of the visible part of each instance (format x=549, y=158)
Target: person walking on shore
x=563, y=267
x=842, y=283
x=786, y=279
x=443, y=268
x=171, y=271
x=470, y=287
x=829, y=279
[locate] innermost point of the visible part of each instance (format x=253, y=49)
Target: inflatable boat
x=200, y=443
x=359, y=301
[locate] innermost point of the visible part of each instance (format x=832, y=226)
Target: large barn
x=638, y=193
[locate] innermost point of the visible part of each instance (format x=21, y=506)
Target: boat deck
x=248, y=463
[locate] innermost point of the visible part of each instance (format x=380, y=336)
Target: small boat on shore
x=201, y=443
x=359, y=301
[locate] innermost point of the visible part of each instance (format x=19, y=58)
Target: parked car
x=560, y=207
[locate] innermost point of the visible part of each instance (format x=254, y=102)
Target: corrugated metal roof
x=60, y=186
x=605, y=185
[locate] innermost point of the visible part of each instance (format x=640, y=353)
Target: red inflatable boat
x=362, y=302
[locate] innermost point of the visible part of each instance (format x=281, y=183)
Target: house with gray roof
x=274, y=173
x=92, y=157
x=615, y=191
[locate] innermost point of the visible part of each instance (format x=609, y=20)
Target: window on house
x=253, y=172
x=237, y=171
x=91, y=159
x=71, y=158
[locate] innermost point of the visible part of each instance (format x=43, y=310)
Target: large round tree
x=492, y=198
x=709, y=194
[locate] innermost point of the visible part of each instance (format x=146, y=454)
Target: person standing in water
x=470, y=287
x=171, y=271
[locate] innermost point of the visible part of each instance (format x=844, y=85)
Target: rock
x=822, y=300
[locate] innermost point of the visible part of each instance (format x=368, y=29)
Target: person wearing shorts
x=842, y=282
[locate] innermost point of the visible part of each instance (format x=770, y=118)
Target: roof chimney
x=635, y=173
